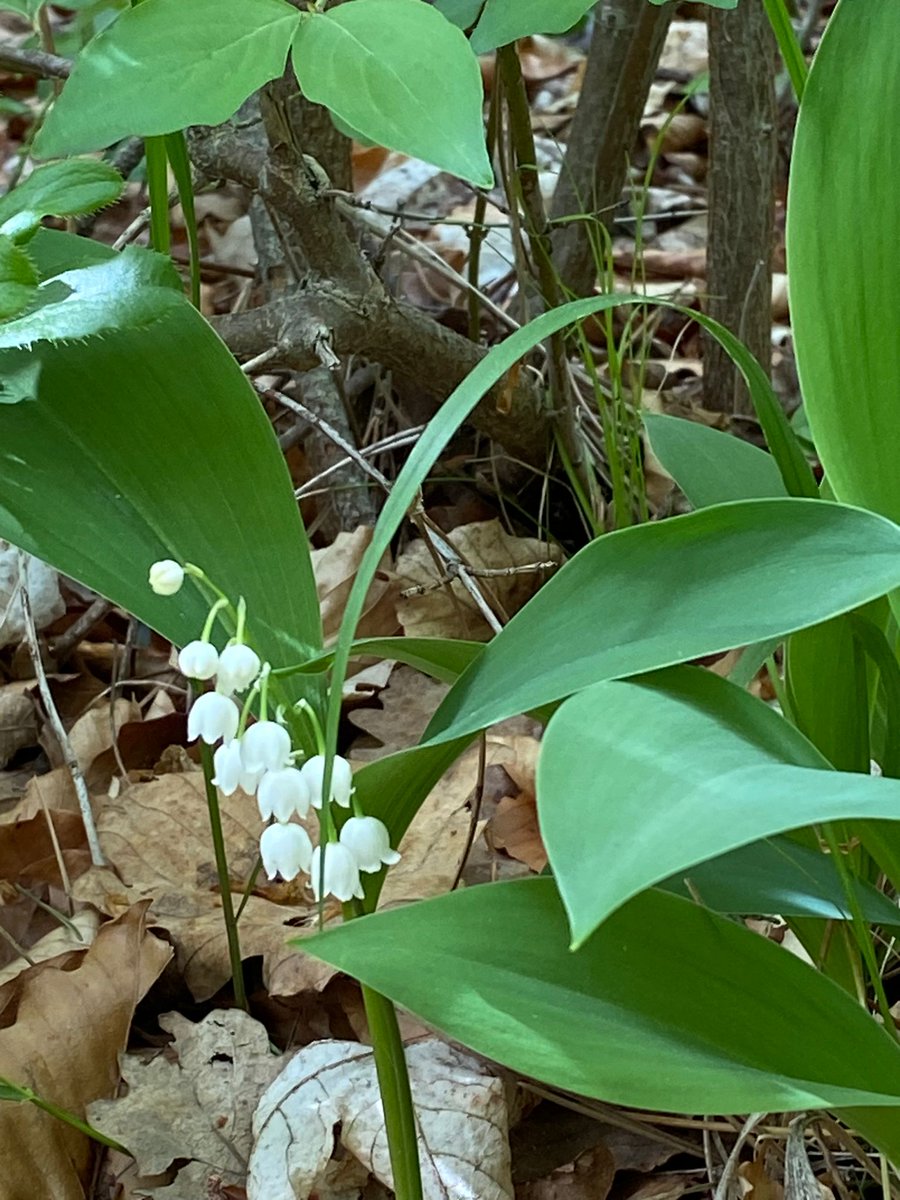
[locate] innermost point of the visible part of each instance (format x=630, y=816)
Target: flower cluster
x=258, y=757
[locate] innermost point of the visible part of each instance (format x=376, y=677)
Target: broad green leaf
x=505, y=20
x=62, y=189
x=663, y=593
x=18, y=278
x=496, y=363
x=638, y=780
x=130, y=291
x=21, y=371
x=463, y=13
x=779, y=877
x=712, y=467
x=668, y=1006
x=708, y=3
x=373, y=64
x=845, y=305
x=150, y=443
x=166, y=64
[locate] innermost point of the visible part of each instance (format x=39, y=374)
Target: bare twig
x=92, y=615
x=34, y=62
x=71, y=762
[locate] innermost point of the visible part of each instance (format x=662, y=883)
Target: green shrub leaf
x=373, y=64
x=165, y=64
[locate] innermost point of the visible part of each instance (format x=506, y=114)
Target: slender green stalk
x=158, y=187
x=477, y=229
x=791, y=51
x=218, y=838
x=15, y=1093
x=176, y=149
x=396, y=1097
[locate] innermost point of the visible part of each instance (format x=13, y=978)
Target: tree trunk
x=743, y=158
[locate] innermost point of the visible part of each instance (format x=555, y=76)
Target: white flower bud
x=238, y=667
x=198, y=660
x=166, y=577
x=212, y=717
x=265, y=746
x=369, y=842
x=341, y=780
x=283, y=793
x=341, y=872
x=286, y=850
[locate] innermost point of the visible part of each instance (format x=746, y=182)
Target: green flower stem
x=231, y=929
x=396, y=1096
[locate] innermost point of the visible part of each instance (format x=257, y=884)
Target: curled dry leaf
x=195, y=1102
x=156, y=836
x=448, y=610
x=463, y=1122
x=70, y=1027
x=47, y=604
x=77, y=935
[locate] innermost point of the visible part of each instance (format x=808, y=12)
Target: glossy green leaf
x=130, y=291
x=712, y=467
x=658, y=594
x=63, y=189
x=149, y=443
x=708, y=3
x=668, y=1006
x=640, y=779
x=505, y=20
x=844, y=299
x=373, y=64
x=54, y=252
x=463, y=13
x=779, y=877
x=165, y=64
x=18, y=278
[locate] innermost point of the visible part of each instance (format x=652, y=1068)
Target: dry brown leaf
x=51, y=791
x=336, y=568
x=47, y=604
x=77, y=935
x=27, y=852
x=331, y=1087
x=755, y=1183
x=18, y=724
x=195, y=1102
x=70, y=1027
x=589, y=1177
x=449, y=611
x=514, y=828
x=407, y=704
x=96, y=730
x=156, y=836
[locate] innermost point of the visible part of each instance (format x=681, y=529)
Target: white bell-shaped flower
x=228, y=767
x=266, y=746
x=369, y=842
x=238, y=667
x=341, y=872
x=212, y=717
x=341, y=780
x=285, y=850
x=198, y=660
x=282, y=793
x=166, y=577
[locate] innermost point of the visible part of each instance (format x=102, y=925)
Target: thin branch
x=34, y=62
x=69, y=758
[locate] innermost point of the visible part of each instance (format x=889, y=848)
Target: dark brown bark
x=743, y=160
x=625, y=48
